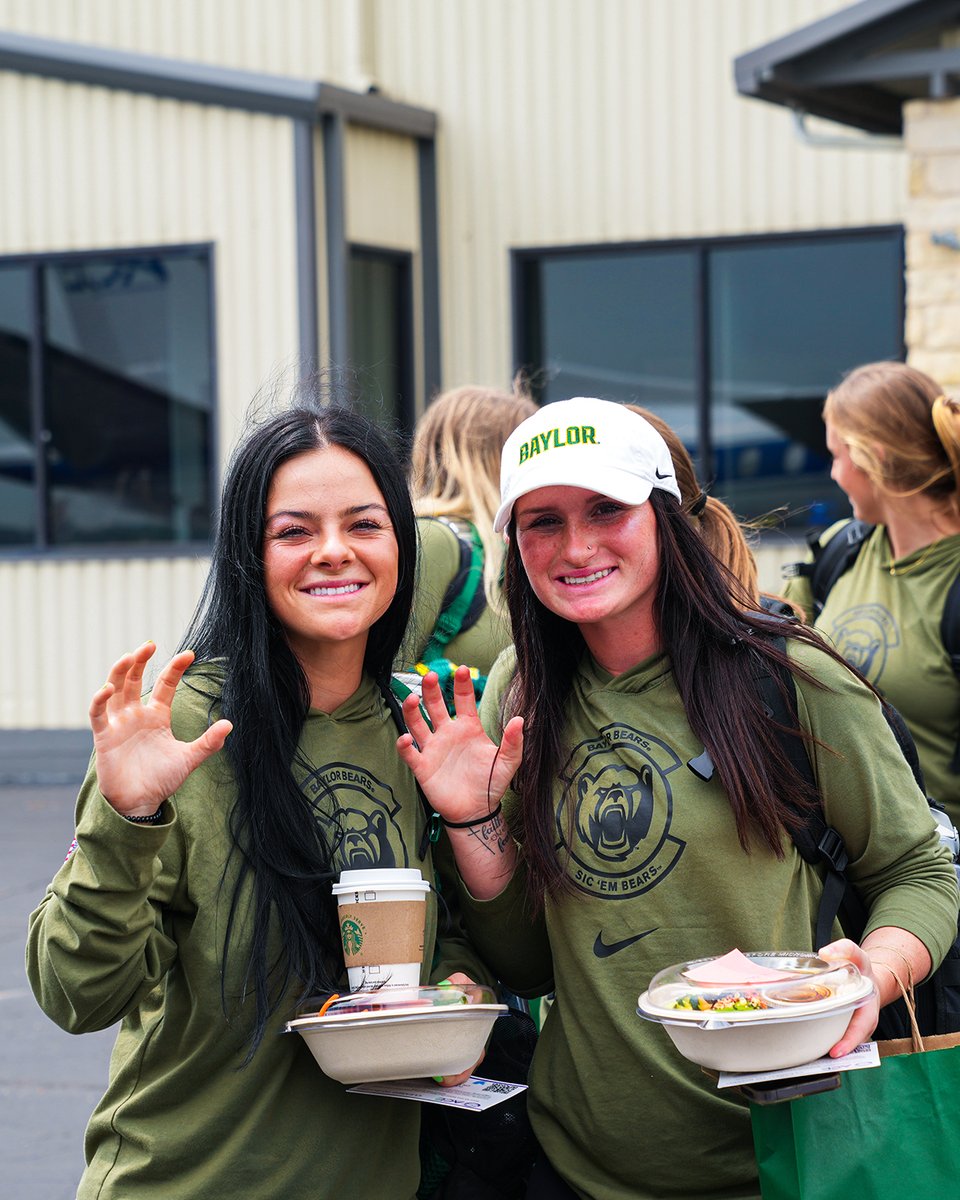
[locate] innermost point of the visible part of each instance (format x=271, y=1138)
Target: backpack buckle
x=833, y=850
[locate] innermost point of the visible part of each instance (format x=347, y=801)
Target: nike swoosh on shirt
x=604, y=949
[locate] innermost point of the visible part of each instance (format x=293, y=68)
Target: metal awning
x=859, y=65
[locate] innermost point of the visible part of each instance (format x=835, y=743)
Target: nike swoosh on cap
x=604, y=949
x=667, y=475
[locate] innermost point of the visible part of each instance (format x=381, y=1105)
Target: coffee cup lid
x=397, y=878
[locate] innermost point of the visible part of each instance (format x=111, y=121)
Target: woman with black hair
x=196, y=906
x=621, y=848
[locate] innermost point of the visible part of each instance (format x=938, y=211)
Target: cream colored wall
x=85, y=168
x=382, y=204
x=572, y=121
x=560, y=122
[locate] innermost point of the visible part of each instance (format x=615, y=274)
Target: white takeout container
x=413, y=1033
x=801, y=1018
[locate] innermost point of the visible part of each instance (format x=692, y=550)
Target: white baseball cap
x=584, y=443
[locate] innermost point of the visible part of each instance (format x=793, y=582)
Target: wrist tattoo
x=492, y=835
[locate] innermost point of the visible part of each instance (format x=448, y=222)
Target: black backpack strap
x=816, y=841
x=836, y=558
x=830, y=559
x=950, y=635
x=908, y=747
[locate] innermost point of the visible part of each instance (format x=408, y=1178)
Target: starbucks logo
x=351, y=932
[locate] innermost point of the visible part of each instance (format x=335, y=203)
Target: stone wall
x=932, y=219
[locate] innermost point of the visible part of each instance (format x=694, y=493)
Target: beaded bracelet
x=153, y=819
x=475, y=822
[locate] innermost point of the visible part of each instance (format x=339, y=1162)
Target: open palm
x=139, y=761
x=462, y=772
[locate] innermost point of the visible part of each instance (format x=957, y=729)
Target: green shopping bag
x=887, y=1132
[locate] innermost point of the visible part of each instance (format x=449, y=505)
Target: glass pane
x=621, y=326
x=18, y=505
x=380, y=350
x=787, y=319
x=128, y=398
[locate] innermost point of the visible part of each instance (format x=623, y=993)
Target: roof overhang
x=861, y=64
x=199, y=83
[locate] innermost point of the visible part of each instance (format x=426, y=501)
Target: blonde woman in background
x=458, y=614
x=895, y=441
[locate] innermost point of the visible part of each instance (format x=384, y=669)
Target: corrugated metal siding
x=85, y=168
x=381, y=190
x=306, y=38
x=64, y=623
x=561, y=121
x=565, y=121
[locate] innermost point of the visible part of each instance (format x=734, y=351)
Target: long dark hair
x=279, y=842
x=716, y=648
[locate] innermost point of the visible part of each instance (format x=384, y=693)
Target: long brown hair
x=717, y=523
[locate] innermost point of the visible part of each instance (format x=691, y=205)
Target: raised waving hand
x=139, y=761
x=463, y=773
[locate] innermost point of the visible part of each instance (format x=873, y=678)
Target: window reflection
x=787, y=319
x=621, y=327
x=124, y=395
x=18, y=508
x=381, y=348
x=751, y=354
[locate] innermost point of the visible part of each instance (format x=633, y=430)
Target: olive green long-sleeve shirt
x=660, y=878
x=131, y=931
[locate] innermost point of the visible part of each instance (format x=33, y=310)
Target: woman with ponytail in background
x=895, y=441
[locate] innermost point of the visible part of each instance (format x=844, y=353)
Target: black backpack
x=484, y=1155
x=837, y=556
x=938, y=998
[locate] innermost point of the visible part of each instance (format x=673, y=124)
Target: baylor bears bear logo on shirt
x=358, y=814
x=864, y=635
x=616, y=811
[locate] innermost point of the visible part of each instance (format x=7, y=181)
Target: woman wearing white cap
x=610, y=858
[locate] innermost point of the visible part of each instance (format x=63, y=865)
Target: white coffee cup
x=382, y=915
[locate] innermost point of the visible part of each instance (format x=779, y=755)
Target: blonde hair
x=901, y=430
x=455, y=464
x=721, y=531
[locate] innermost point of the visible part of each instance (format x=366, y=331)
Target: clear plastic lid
x=391, y=1002
x=757, y=984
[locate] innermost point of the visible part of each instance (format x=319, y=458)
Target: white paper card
x=864, y=1055
x=474, y=1095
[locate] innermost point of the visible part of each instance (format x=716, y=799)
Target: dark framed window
x=106, y=399
x=381, y=333
x=734, y=341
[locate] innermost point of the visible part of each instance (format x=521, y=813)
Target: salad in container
x=755, y=1011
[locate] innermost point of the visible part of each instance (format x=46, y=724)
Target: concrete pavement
x=49, y=1080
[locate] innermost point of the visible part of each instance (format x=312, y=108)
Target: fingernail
x=444, y=983
x=437, y=1078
